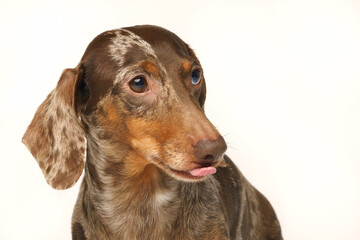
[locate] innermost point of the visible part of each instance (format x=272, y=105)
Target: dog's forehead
x=135, y=44
x=162, y=41
x=125, y=44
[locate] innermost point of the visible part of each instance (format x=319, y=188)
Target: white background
x=283, y=83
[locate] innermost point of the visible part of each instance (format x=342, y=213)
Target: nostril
x=210, y=150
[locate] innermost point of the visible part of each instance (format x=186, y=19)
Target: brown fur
x=139, y=149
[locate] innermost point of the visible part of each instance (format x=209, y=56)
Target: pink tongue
x=201, y=172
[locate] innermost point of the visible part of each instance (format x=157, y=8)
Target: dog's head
x=136, y=97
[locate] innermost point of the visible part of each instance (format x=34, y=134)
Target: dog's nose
x=210, y=150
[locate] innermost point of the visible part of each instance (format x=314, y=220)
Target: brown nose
x=210, y=150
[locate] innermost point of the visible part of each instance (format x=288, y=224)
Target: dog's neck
x=130, y=199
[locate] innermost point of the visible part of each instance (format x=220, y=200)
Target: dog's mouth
x=197, y=173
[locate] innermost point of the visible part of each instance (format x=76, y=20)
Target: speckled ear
x=56, y=137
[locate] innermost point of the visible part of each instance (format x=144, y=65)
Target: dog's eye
x=139, y=84
x=195, y=77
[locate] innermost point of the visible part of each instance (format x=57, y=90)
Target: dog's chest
x=181, y=214
x=148, y=218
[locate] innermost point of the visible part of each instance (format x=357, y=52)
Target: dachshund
x=131, y=114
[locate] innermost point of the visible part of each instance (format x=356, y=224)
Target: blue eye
x=195, y=77
x=138, y=84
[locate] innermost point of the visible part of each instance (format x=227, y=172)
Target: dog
x=131, y=114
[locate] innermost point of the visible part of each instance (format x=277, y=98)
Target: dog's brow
x=186, y=65
x=150, y=68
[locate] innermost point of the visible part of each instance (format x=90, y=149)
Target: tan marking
x=150, y=174
x=112, y=114
x=186, y=66
x=135, y=165
x=159, y=141
x=150, y=68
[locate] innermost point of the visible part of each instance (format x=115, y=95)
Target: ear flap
x=56, y=137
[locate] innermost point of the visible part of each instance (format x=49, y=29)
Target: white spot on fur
x=122, y=43
x=163, y=197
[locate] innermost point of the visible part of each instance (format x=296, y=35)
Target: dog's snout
x=210, y=150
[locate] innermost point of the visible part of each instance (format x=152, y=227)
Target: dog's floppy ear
x=56, y=137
